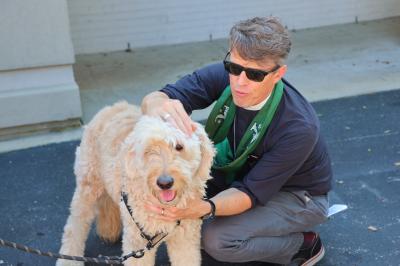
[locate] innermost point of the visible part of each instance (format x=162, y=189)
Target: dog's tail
x=108, y=225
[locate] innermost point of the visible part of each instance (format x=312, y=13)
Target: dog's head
x=166, y=162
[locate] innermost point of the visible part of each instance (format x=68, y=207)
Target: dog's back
x=109, y=128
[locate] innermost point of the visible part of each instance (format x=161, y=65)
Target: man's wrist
x=211, y=213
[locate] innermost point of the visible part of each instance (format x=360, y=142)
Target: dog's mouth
x=167, y=195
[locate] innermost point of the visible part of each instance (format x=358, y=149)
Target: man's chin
x=239, y=103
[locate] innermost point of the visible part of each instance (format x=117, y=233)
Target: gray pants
x=270, y=233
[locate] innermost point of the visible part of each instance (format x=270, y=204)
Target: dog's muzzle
x=165, y=183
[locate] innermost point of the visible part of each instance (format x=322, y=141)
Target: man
x=272, y=171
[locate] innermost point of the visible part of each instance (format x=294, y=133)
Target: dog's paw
x=69, y=263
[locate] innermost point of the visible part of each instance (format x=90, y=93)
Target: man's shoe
x=310, y=252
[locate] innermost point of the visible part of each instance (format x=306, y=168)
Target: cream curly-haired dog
x=124, y=151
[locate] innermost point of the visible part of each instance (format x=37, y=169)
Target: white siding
x=34, y=34
x=108, y=25
x=36, y=56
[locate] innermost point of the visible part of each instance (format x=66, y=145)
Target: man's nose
x=242, y=78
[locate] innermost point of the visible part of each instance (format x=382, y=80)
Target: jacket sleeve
x=199, y=89
x=277, y=165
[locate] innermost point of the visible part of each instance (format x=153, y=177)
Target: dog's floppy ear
x=207, y=154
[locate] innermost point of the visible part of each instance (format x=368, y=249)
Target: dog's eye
x=178, y=147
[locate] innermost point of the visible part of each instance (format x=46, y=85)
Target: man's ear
x=207, y=154
x=280, y=73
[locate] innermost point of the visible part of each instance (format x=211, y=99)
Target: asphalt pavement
x=363, y=136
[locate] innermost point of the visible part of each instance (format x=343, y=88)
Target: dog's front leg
x=78, y=224
x=184, y=245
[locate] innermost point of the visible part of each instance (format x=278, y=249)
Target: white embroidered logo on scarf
x=256, y=131
x=221, y=117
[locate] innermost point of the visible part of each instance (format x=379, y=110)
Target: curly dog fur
x=123, y=150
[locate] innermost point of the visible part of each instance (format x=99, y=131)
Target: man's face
x=246, y=92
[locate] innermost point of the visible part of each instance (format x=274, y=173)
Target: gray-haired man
x=272, y=172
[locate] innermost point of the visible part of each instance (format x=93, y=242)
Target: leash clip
x=136, y=254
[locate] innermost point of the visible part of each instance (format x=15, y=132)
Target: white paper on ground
x=335, y=208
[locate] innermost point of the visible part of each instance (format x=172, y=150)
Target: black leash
x=117, y=260
x=152, y=241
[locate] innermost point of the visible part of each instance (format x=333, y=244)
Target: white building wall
x=37, y=84
x=34, y=33
x=109, y=25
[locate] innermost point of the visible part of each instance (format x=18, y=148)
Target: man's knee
x=213, y=243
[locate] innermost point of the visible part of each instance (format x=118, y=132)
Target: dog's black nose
x=165, y=182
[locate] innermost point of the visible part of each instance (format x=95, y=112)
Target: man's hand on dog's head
x=169, y=110
x=172, y=111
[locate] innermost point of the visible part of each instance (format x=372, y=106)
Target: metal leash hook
x=136, y=254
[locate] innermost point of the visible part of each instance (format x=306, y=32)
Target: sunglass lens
x=233, y=68
x=255, y=75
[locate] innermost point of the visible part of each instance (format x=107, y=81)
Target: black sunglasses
x=251, y=73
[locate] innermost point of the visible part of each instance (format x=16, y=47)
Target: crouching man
x=272, y=172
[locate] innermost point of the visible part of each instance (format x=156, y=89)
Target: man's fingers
x=153, y=208
x=173, y=112
x=164, y=218
x=160, y=213
x=185, y=119
x=178, y=121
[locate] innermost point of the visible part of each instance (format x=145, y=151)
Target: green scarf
x=219, y=122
